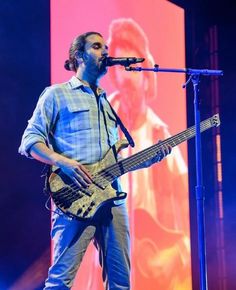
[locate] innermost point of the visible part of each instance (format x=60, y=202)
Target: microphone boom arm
x=188, y=71
x=124, y=61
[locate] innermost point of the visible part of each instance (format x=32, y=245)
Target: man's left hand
x=165, y=149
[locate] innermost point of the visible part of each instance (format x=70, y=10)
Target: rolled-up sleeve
x=41, y=122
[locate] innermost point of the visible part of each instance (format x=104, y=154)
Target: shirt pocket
x=79, y=117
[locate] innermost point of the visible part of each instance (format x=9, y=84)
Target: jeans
x=71, y=238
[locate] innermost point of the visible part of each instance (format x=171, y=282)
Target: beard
x=95, y=67
x=102, y=68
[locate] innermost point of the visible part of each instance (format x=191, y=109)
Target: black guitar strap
x=122, y=126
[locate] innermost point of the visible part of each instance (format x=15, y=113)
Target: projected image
x=152, y=107
x=157, y=195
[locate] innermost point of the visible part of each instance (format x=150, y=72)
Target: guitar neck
x=132, y=162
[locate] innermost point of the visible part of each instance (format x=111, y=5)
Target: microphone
x=125, y=61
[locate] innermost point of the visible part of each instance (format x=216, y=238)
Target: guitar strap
x=122, y=126
x=46, y=172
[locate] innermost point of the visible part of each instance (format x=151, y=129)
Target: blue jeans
x=71, y=239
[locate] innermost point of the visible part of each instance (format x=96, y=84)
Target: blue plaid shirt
x=71, y=121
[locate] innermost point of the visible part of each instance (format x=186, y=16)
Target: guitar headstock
x=215, y=120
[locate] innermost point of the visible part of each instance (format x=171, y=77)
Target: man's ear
x=79, y=57
x=80, y=54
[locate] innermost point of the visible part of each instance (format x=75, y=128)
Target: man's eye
x=96, y=46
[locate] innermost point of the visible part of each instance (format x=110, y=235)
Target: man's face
x=95, y=49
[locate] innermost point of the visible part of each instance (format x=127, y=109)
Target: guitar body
x=84, y=204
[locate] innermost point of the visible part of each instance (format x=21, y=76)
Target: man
x=73, y=125
x=158, y=195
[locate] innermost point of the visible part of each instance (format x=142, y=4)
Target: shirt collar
x=76, y=83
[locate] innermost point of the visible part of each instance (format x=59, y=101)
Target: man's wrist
x=57, y=159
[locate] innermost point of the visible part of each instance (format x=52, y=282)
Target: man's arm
x=35, y=139
x=76, y=171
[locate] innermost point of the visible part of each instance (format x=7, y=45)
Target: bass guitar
x=85, y=203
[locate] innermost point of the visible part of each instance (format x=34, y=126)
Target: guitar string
x=152, y=152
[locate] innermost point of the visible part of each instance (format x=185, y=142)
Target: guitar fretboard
x=132, y=162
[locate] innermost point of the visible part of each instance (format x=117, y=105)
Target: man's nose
x=105, y=52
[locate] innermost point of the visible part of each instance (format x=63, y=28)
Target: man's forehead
x=93, y=38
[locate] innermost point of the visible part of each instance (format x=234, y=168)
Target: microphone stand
x=194, y=75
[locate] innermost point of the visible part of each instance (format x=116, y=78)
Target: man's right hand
x=72, y=168
x=76, y=171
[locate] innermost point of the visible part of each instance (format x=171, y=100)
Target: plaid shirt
x=73, y=122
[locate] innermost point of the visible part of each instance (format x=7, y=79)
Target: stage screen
x=153, y=107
